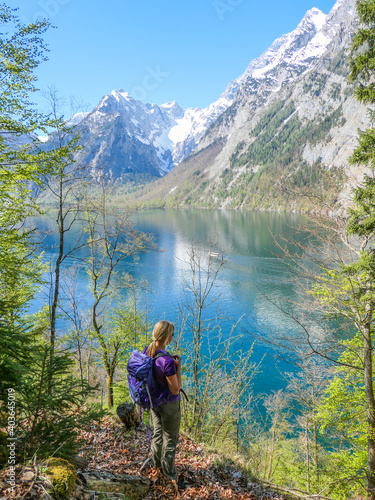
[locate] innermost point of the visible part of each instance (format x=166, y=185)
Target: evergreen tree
x=21, y=50
x=46, y=417
x=362, y=215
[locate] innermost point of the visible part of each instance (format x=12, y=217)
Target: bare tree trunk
x=110, y=389
x=369, y=389
x=56, y=289
x=88, y=364
x=238, y=428
x=307, y=455
x=35, y=420
x=197, y=349
x=272, y=450
x=64, y=176
x=316, y=454
x=80, y=362
x=105, y=355
x=185, y=412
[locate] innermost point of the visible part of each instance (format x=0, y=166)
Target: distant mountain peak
x=122, y=94
x=173, y=109
x=296, y=48
x=316, y=17
x=315, y=11
x=133, y=136
x=170, y=104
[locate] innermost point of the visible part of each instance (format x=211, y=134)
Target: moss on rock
x=62, y=475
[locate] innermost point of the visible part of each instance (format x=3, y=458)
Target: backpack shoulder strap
x=160, y=355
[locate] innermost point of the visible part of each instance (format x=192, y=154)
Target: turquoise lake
x=253, y=276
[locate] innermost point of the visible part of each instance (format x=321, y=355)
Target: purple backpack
x=142, y=386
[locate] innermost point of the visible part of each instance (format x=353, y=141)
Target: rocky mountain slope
x=125, y=136
x=293, y=122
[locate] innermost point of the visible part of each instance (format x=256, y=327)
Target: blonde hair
x=161, y=333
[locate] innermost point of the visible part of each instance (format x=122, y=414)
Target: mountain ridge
x=123, y=135
x=296, y=91
x=296, y=124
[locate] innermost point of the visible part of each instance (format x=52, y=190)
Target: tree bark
x=197, y=348
x=369, y=389
x=60, y=225
x=110, y=389
x=80, y=362
x=316, y=453
x=107, y=364
x=307, y=456
x=272, y=450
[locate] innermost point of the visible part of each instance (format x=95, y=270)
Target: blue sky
x=158, y=51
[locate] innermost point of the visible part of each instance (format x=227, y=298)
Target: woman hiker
x=166, y=417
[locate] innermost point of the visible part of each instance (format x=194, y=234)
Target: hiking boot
x=181, y=485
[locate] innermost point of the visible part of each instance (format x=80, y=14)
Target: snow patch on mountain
x=337, y=5
x=293, y=52
x=167, y=134
x=306, y=42
x=76, y=119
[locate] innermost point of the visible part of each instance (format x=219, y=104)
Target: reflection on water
x=252, y=276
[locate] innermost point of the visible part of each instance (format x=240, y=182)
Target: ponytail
x=151, y=349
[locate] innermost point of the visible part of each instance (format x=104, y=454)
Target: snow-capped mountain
x=123, y=135
x=289, y=56
x=294, y=59
x=293, y=121
x=296, y=49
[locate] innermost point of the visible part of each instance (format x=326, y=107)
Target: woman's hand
x=177, y=360
x=175, y=382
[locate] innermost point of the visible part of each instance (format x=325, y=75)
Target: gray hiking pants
x=166, y=419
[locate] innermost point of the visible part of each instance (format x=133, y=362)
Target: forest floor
x=207, y=476
x=110, y=452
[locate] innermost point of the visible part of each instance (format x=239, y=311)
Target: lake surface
x=252, y=277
